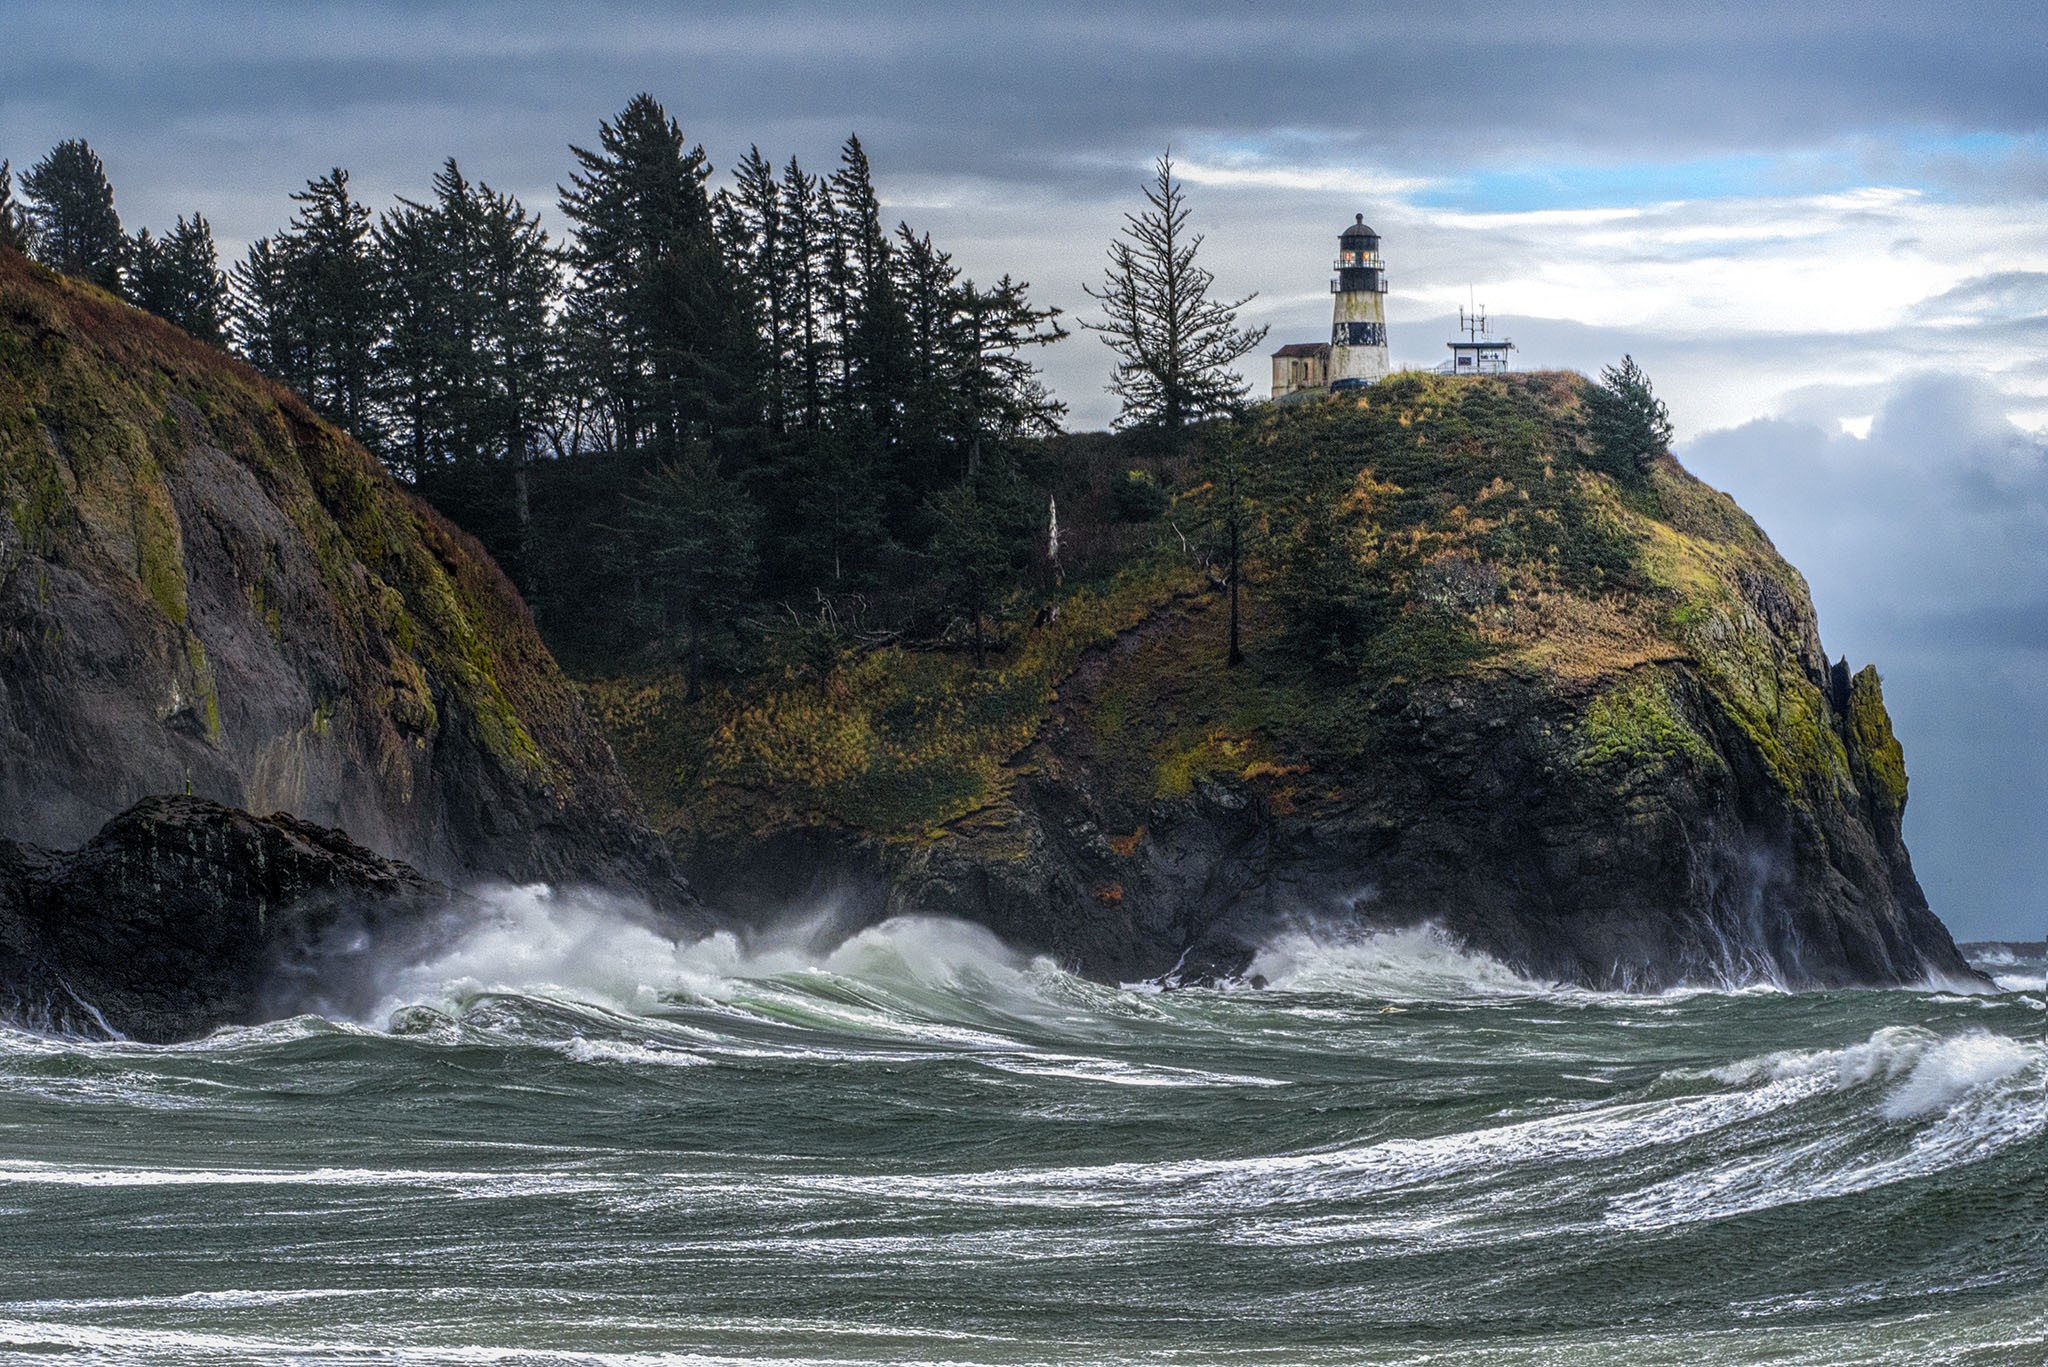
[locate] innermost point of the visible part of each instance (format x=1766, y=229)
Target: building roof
x=1304, y=349
x=1357, y=229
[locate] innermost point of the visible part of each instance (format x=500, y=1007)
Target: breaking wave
x=1421, y=963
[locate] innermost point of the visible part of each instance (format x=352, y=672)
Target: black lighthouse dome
x=1357, y=229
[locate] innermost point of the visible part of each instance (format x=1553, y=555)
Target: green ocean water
x=569, y=1140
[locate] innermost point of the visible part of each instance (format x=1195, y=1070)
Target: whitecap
x=1419, y=963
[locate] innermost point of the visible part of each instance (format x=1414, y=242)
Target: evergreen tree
x=868, y=314
x=807, y=238
x=76, y=229
x=759, y=251
x=1000, y=385
x=422, y=357
x=16, y=228
x=1175, y=346
x=268, y=316
x=1230, y=465
x=983, y=526
x=1629, y=424
x=696, y=529
x=467, y=282
x=933, y=421
x=839, y=529
x=518, y=280
x=657, y=325
x=1334, y=599
x=969, y=381
x=339, y=292
x=178, y=278
x=466, y=367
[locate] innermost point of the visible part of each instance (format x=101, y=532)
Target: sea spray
x=1418, y=963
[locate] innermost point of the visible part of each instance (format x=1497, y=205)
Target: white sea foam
x=1420, y=963
x=578, y=946
x=1951, y=1069
x=1937, y=1070
x=601, y=964
x=35, y=1173
x=1966, y=1097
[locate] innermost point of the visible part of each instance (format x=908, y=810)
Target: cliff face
x=206, y=589
x=1589, y=729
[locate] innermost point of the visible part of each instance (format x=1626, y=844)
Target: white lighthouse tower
x=1358, y=332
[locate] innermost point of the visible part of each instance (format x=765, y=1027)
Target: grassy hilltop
x=1479, y=523
x=1566, y=702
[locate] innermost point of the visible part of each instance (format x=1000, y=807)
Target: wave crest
x=1421, y=963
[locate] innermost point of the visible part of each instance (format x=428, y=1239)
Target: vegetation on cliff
x=1429, y=528
x=1506, y=666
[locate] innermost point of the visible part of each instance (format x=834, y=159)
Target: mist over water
x=564, y=1136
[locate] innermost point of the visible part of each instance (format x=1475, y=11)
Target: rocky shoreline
x=182, y=915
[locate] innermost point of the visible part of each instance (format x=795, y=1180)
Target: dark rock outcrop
x=1472, y=808
x=1468, y=804
x=182, y=915
x=205, y=588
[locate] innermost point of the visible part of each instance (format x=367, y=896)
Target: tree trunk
x=1236, y=656
x=522, y=514
x=695, y=665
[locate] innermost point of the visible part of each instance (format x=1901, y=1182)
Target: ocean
x=568, y=1139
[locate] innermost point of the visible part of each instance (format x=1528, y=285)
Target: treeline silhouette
x=694, y=412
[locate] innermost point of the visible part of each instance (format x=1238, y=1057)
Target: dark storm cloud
x=1927, y=548
x=999, y=88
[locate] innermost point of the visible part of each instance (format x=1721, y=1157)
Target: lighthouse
x=1358, y=330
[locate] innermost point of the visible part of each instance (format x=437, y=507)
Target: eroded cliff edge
x=1584, y=723
x=206, y=589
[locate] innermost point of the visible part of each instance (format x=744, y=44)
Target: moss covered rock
x=206, y=589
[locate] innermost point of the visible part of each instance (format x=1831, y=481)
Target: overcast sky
x=1822, y=229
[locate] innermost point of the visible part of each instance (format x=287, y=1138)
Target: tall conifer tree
x=870, y=317
x=341, y=292
x=178, y=278
x=1175, y=346
x=421, y=356
x=268, y=317
x=76, y=228
x=759, y=247
x=697, y=528
x=16, y=228
x=808, y=238
x=656, y=323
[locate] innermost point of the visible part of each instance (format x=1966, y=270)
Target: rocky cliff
x=205, y=589
x=1573, y=710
